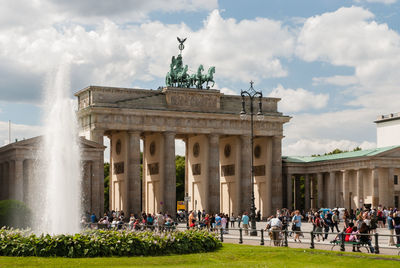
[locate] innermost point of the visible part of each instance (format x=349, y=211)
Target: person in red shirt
x=348, y=232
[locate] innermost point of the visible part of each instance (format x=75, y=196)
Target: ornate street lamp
x=252, y=94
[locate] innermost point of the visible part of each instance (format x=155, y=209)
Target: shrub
x=101, y=243
x=14, y=213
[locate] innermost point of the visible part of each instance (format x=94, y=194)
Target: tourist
x=326, y=223
x=150, y=221
x=131, y=221
x=93, y=218
x=348, y=231
x=374, y=222
x=212, y=222
x=354, y=238
x=239, y=220
x=390, y=223
x=192, y=220
x=224, y=223
x=380, y=218
x=296, y=221
x=245, y=223
x=207, y=222
x=396, y=221
x=160, y=221
x=317, y=225
x=335, y=221
x=275, y=227
x=364, y=237
x=114, y=223
x=218, y=222
x=232, y=220
x=346, y=218
x=137, y=225
x=199, y=215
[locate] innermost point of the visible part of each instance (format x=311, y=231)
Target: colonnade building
x=19, y=172
x=218, y=148
x=350, y=180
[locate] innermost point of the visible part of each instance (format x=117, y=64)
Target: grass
x=230, y=255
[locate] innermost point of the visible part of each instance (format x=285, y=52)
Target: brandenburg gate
x=218, y=150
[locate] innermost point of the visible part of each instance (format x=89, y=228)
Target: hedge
x=105, y=243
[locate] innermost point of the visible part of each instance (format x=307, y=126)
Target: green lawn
x=229, y=256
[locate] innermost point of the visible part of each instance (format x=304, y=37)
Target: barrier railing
x=371, y=244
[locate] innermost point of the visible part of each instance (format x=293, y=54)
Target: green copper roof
x=308, y=159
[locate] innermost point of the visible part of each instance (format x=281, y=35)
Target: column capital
x=168, y=133
x=135, y=132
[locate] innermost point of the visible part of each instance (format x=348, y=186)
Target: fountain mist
x=58, y=203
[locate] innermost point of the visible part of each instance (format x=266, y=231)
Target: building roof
x=361, y=153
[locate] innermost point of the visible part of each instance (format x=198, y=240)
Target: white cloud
x=115, y=55
x=339, y=80
x=350, y=37
x=27, y=15
x=295, y=100
x=18, y=131
x=307, y=147
x=387, y=2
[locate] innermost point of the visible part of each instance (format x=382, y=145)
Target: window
x=396, y=201
x=396, y=179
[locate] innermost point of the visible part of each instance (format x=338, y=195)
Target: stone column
x=97, y=171
x=332, y=189
x=245, y=178
x=390, y=192
x=313, y=192
x=297, y=192
x=307, y=192
x=213, y=174
x=360, y=188
x=169, y=174
x=186, y=140
x=375, y=187
x=277, y=197
x=346, y=190
x=268, y=198
x=18, y=180
x=289, y=193
x=6, y=180
x=97, y=135
x=133, y=177
x=320, y=182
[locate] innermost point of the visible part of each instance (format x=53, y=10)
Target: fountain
x=57, y=194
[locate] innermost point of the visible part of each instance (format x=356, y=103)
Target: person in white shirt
x=275, y=225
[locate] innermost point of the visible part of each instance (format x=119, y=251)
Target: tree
x=338, y=151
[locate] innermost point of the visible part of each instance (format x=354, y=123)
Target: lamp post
x=252, y=94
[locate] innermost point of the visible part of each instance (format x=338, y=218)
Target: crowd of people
x=357, y=224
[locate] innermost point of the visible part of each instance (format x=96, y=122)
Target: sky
x=334, y=64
